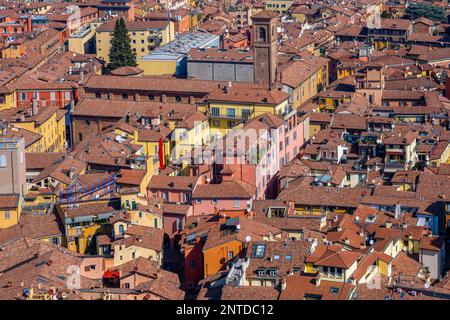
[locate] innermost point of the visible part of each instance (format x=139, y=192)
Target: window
x=121, y=230
x=125, y=96
x=133, y=255
x=258, y=251
x=98, y=95
x=155, y=222
x=281, y=145
x=273, y=272
x=3, y=163
x=230, y=254
x=23, y=96
x=334, y=290
x=215, y=111
x=214, y=200
x=261, y=272
x=331, y=273
x=178, y=99
x=288, y=258
x=231, y=112
x=140, y=214
x=7, y=215
x=67, y=95
x=236, y=202
x=245, y=114
x=151, y=97
x=230, y=124
x=262, y=34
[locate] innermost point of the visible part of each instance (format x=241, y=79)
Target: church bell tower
x=265, y=38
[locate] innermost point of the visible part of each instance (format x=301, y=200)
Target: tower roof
x=265, y=14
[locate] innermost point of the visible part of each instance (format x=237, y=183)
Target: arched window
x=262, y=34
x=3, y=161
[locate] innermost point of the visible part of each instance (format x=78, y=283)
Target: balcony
x=393, y=165
x=394, y=149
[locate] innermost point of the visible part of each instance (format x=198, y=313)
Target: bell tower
x=265, y=38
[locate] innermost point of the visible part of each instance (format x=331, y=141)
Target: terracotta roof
x=9, y=201
x=231, y=292
x=432, y=243
x=41, y=160
x=226, y=189
x=130, y=176
x=300, y=287
x=126, y=71
x=340, y=259
x=172, y=182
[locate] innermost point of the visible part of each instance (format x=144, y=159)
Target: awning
x=111, y=274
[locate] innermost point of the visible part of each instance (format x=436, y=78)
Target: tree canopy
x=121, y=54
x=417, y=10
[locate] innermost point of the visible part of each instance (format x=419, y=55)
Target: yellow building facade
x=145, y=37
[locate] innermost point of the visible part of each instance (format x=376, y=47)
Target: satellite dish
x=248, y=239
x=238, y=227
x=371, y=242
x=357, y=218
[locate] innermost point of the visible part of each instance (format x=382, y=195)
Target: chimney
x=35, y=107
x=29, y=23
x=317, y=280
x=82, y=76
x=283, y=284
x=71, y=172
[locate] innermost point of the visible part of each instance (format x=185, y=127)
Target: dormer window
x=273, y=272
x=261, y=272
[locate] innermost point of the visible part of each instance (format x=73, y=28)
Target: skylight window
x=334, y=290
x=259, y=250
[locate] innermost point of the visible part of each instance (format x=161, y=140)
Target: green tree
x=121, y=54
x=417, y=10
